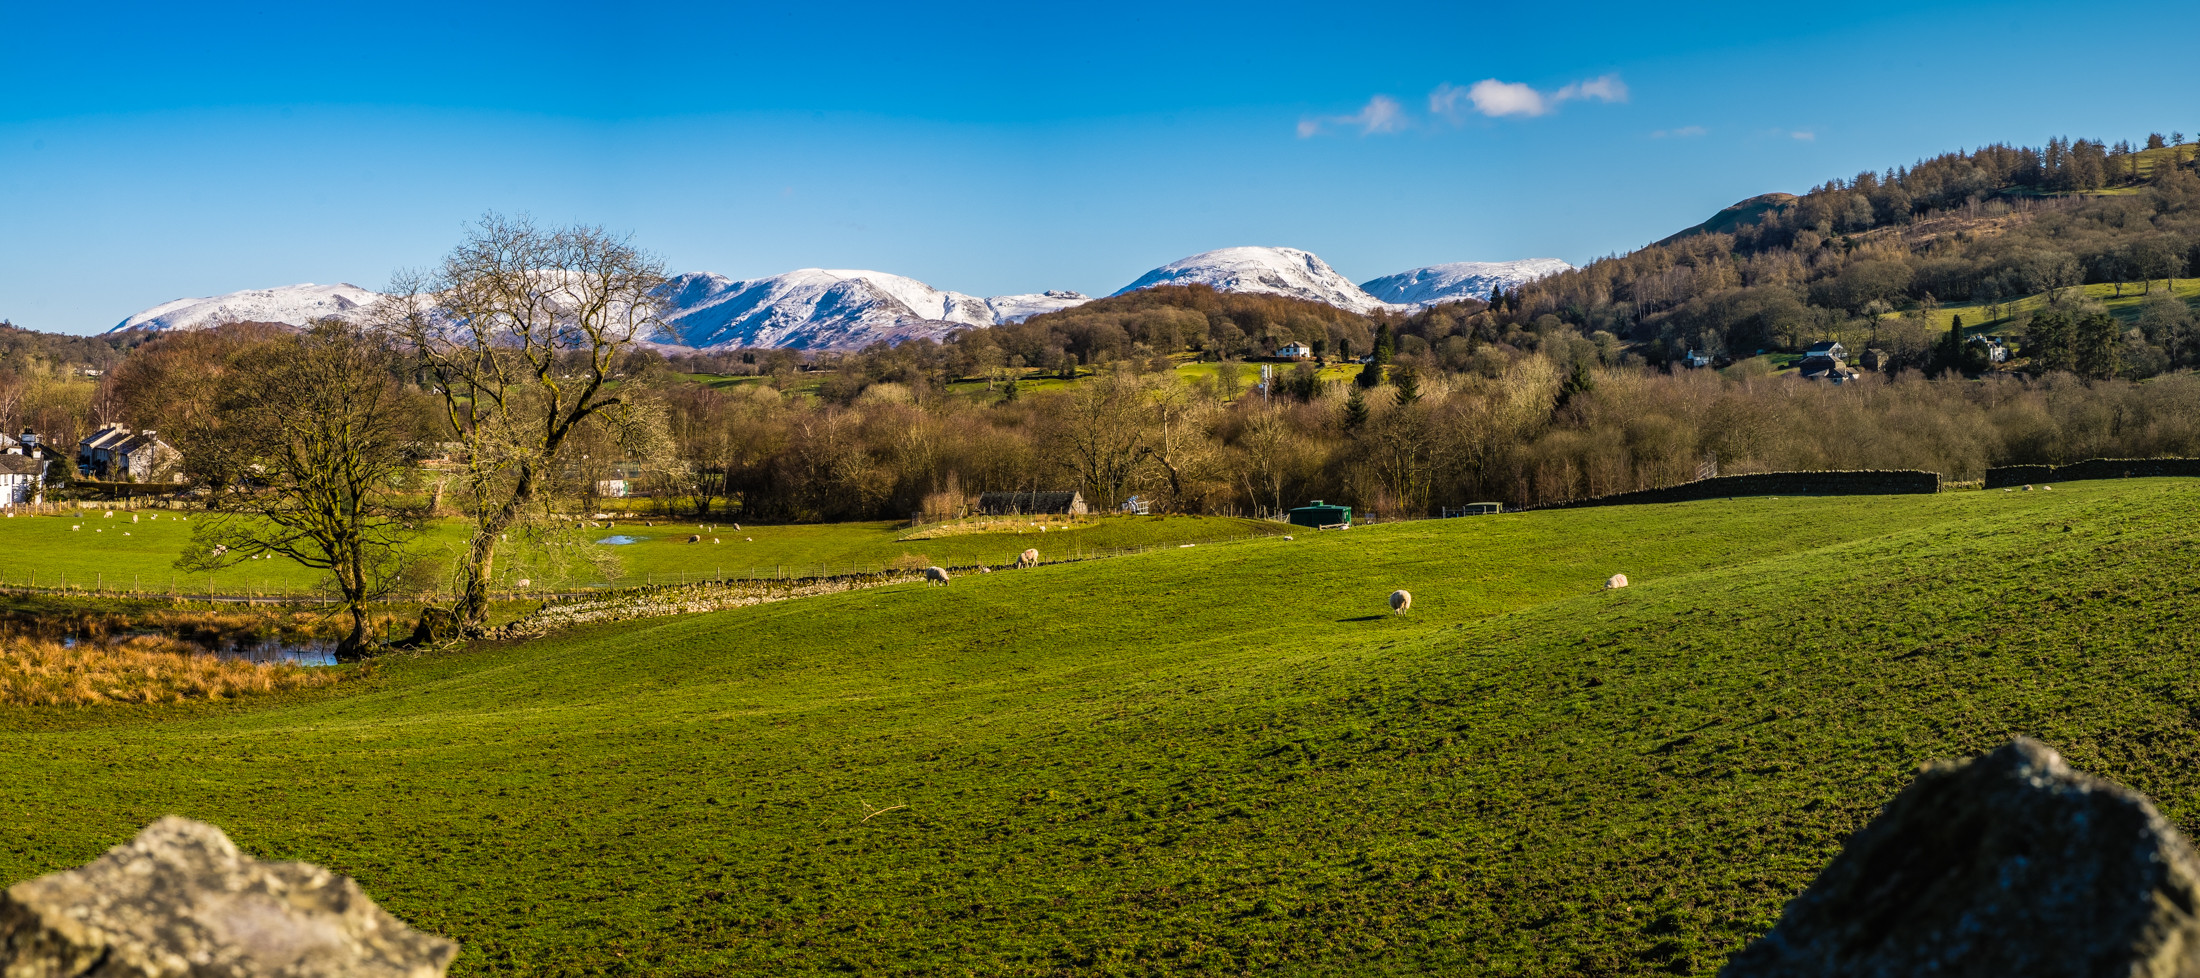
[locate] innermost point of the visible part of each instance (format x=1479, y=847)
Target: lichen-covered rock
x=2007, y=864
x=180, y=901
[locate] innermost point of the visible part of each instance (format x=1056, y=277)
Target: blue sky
x=158, y=151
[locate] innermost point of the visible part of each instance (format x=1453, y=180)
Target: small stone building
x=1057, y=503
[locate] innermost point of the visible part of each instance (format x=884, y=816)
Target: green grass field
x=1219, y=760
x=45, y=551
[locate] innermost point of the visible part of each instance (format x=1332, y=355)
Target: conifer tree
x=1409, y=386
x=1355, y=410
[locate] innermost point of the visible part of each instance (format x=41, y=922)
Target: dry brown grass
x=138, y=670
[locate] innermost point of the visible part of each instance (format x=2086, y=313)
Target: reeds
x=143, y=669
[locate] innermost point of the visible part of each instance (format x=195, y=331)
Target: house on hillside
x=1991, y=348
x=1696, y=360
x=1032, y=503
x=1828, y=348
x=1828, y=369
x=115, y=453
x=1294, y=350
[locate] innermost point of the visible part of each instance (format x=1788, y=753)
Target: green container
x=1319, y=514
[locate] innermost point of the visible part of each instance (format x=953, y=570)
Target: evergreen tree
x=1954, y=354
x=1355, y=410
x=1384, y=350
x=1370, y=375
x=2097, y=346
x=1010, y=392
x=1409, y=386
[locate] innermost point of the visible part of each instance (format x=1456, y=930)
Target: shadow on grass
x=1365, y=618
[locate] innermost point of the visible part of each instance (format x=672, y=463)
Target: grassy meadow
x=84, y=549
x=1215, y=760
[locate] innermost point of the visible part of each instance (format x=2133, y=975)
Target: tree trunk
x=481, y=552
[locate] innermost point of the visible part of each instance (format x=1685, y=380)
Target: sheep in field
x=1617, y=581
x=1400, y=600
x=694, y=538
x=936, y=575
x=1029, y=558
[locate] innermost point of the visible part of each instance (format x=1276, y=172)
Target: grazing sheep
x=2048, y=488
x=110, y=514
x=1029, y=558
x=748, y=539
x=694, y=538
x=936, y=575
x=1400, y=600
x=2027, y=488
x=737, y=528
x=1287, y=536
x=714, y=539
x=1617, y=581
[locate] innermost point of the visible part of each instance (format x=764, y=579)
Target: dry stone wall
x=1868, y=482
x=2096, y=468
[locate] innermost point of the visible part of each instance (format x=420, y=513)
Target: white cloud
x=1498, y=99
x=1381, y=114
x=1684, y=132
x=1804, y=135
x=1606, y=89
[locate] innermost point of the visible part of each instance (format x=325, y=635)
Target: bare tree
x=520, y=330
x=300, y=452
x=1101, y=434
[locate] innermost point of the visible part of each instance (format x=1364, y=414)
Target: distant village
x=110, y=455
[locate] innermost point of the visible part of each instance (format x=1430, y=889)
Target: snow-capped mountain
x=831, y=309
x=1274, y=271
x=297, y=305
x=1435, y=284
x=1017, y=308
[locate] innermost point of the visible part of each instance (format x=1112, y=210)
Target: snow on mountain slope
x=831, y=309
x=1274, y=271
x=1423, y=287
x=293, y=304
x=1017, y=308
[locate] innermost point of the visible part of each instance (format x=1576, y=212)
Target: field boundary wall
x=2009, y=476
x=1864, y=482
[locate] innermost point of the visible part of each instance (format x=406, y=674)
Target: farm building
x=1828, y=348
x=114, y=453
x=1991, y=348
x=1294, y=350
x=22, y=479
x=1032, y=503
x=1318, y=514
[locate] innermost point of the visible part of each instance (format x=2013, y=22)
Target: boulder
x=2006, y=864
x=180, y=901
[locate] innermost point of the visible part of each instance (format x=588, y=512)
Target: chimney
x=30, y=441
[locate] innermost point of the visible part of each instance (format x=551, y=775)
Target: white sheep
x=1400, y=600
x=714, y=539
x=1029, y=558
x=694, y=538
x=1616, y=581
x=110, y=514
x=936, y=575
x=1287, y=536
x=737, y=528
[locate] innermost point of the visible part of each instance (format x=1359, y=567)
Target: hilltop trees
x=520, y=330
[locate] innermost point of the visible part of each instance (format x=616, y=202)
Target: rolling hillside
x=1210, y=761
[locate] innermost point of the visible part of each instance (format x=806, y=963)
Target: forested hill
x=1878, y=259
